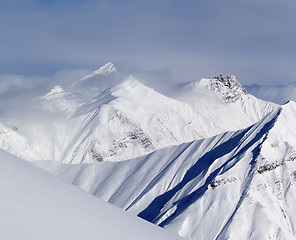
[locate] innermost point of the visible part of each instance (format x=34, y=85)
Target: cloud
x=17, y=93
x=8, y=82
x=251, y=39
x=278, y=94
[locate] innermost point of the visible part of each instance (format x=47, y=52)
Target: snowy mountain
x=36, y=205
x=224, y=102
x=206, y=161
x=236, y=185
x=107, y=117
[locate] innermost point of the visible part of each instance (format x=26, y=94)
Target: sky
x=168, y=39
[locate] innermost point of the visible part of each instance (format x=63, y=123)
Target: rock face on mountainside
x=226, y=86
x=236, y=185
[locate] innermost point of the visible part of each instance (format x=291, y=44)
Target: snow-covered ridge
x=226, y=86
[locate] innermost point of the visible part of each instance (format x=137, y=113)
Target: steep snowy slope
x=36, y=205
x=236, y=185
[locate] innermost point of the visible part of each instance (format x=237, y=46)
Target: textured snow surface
x=36, y=205
x=236, y=185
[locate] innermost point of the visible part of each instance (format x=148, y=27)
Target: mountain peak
x=226, y=86
x=55, y=92
x=130, y=84
x=107, y=69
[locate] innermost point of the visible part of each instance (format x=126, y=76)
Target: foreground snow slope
x=108, y=117
x=236, y=185
x=36, y=205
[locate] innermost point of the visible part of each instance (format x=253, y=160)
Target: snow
x=57, y=90
x=36, y=205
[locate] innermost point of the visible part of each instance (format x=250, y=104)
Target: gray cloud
x=279, y=94
x=17, y=93
x=252, y=39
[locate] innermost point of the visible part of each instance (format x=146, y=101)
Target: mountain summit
x=107, y=69
x=105, y=77
x=226, y=86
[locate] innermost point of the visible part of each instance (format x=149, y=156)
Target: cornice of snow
x=226, y=86
x=290, y=103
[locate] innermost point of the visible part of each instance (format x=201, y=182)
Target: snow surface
x=36, y=205
x=222, y=187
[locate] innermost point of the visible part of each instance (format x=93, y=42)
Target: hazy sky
x=184, y=40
